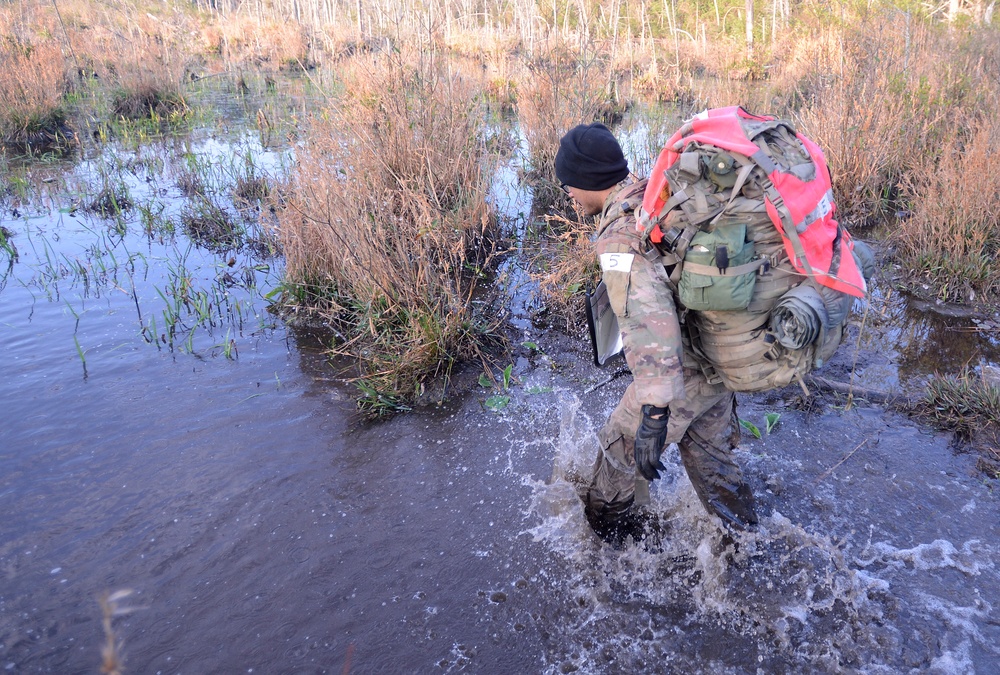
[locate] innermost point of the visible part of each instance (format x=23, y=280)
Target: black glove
x=649, y=441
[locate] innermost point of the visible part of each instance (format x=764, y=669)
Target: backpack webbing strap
x=764, y=161
x=741, y=179
x=712, y=271
x=787, y=224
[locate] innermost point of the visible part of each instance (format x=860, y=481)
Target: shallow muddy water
x=223, y=477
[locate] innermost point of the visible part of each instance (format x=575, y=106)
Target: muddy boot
x=608, y=500
x=718, y=481
x=615, y=522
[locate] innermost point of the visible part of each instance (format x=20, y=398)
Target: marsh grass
x=212, y=226
x=8, y=247
x=969, y=405
x=952, y=238
x=561, y=86
x=189, y=306
x=33, y=115
x=261, y=44
x=113, y=200
x=386, y=221
x=889, y=105
x=564, y=268
x=148, y=99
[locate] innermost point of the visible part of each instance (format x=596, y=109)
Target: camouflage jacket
x=641, y=299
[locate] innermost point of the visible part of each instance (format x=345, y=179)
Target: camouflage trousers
x=706, y=430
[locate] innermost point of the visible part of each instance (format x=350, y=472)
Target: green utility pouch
x=719, y=270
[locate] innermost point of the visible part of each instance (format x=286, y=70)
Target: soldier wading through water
x=709, y=295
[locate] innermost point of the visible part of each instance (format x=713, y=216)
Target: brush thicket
x=387, y=219
x=32, y=88
x=560, y=86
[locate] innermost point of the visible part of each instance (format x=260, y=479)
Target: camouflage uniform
x=702, y=417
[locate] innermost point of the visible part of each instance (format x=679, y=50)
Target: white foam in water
x=955, y=662
x=961, y=618
x=939, y=554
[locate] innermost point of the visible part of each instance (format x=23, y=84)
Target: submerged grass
x=387, y=218
x=969, y=405
x=7, y=246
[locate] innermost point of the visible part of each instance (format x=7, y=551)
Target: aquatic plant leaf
x=484, y=380
x=507, y=376
x=531, y=345
x=751, y=427
x=497, y=402
x=772, y=421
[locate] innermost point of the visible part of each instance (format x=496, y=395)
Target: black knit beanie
x=590, y=158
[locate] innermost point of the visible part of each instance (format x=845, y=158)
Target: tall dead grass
x=249, y=41
x=32, y=111
x=952, y=238
x=33, y=84
x=561, y=86
x=886, y=104
x=133, y=54
x=387, y=224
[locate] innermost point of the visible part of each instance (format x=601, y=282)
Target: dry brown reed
x=146, y=77
x=112, y=662
x=952, y=239
x=886, y=104
x=565, y=266
x=387, y=218
x=32, y=88
x=245, y=40
x=136, y=54
x=858, y=116
x=561, y=86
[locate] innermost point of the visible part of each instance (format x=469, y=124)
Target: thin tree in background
x=749, y=23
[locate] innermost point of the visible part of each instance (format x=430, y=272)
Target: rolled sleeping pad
x=838, y=305
x=798, y=317
x=865, y=258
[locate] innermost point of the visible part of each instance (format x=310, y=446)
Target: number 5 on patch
x=616, y=262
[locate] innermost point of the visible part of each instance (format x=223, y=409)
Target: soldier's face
x=591, y=203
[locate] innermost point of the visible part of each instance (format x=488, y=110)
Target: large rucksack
x=739, y=209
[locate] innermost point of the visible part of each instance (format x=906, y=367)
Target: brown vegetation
x=32, y=112
x=952, y=239
x=386, y=224
x=560, y=88
x=386, y=214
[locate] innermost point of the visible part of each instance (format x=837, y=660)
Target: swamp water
x=219, y=472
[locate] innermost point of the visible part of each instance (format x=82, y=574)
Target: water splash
x=780, y=598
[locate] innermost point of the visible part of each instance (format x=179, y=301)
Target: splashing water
x=690, y=597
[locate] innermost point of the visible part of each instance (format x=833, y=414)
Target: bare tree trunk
x=749, y=24
x=953, y=7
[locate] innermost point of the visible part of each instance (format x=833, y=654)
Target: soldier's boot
x=609, y=499
x=718, y=481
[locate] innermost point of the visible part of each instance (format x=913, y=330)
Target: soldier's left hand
x=650, y=439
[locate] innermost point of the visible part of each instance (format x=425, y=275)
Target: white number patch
x=616, y=262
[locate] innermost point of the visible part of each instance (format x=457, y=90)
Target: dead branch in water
x=894, y=400
x=829, y=472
